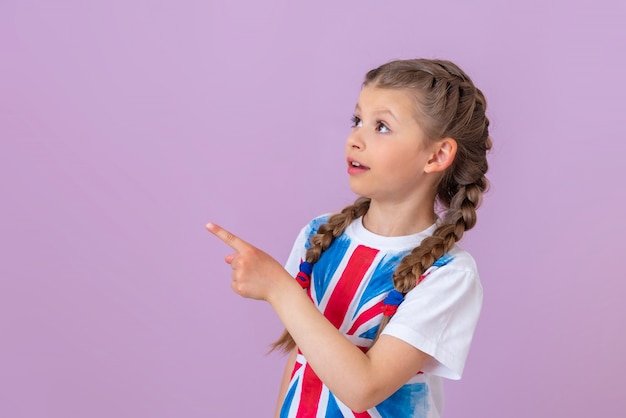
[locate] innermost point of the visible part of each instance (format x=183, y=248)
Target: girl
x=391, y=301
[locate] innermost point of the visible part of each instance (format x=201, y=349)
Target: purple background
x=125, y=126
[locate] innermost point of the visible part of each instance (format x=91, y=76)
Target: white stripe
x=374, y=413
x=335, y=278
x=323, y=403
x=293, y=409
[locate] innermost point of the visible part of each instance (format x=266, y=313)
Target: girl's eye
x=356, y=121
x=382, y=128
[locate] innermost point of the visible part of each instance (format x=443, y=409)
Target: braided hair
x=448, y=105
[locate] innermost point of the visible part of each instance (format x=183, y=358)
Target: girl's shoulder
x=456, y=269
x=314, y=224
x=310, y=229
x=460, y=259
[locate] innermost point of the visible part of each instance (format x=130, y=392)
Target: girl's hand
x=360, y=380
x=256, y=274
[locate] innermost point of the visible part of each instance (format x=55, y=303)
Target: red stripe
x=296, y=367
x=422, y=277
x=344, y=292
x=366, y=316
x=362, y=414
x=310, y=393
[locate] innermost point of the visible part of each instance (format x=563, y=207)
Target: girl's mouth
x=355, y=167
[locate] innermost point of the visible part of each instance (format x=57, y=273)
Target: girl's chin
x=357, y=189
x=360, y=191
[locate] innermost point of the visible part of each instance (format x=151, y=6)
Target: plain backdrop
x=125, y=126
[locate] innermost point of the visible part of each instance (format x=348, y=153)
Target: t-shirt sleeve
x=298, y=252
x=440, y=315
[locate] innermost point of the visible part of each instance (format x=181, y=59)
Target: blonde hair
x=448, y=105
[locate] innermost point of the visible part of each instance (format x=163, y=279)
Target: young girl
x=391, y=302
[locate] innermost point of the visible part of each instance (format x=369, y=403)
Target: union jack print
x=348, y=285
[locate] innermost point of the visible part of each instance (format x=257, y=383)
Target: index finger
x=227, y=237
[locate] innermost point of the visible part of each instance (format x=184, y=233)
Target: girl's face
x=387, y=150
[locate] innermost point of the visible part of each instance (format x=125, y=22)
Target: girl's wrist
x=285, y=290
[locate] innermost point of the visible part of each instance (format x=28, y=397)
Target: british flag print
x=348, y=285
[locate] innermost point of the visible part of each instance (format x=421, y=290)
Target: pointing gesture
x=255, y=274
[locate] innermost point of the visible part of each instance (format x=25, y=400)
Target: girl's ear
x=443, y=155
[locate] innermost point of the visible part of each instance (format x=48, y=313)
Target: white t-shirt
x=349, y=283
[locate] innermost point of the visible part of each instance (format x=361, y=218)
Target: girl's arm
x=359, y=380
x=284, y=384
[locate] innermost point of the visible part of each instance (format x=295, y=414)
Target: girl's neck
x=392, y=220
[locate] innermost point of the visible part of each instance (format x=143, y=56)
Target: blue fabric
x=443, y=260
x=411, y=400
x=284, y=410
x=381, y=281
x=332, y=409
x=371, y=333
x=314, y=226
x=328, y=263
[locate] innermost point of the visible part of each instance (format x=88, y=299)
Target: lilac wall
x=126, y=125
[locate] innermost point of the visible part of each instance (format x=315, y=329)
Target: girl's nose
x=355, y=140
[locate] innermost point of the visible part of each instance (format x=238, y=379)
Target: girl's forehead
x=373, y=99
x=373, y=94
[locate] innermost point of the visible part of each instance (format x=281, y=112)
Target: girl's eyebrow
x=379, y=112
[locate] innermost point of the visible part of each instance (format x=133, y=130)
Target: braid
x=335, y=226
x=448, y=106
x=320, y=242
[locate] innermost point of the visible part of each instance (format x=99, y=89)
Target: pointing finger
x=227, y=237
